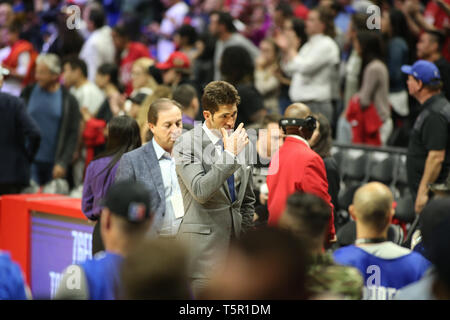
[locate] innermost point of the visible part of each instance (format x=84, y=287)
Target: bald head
x=372, y=205
x=297, y=110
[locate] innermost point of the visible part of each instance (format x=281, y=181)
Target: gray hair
x=51, y=60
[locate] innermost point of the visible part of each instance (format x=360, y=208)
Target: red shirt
x=134, y=51
x=296, y=167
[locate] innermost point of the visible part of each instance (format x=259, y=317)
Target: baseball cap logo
x=136, y=211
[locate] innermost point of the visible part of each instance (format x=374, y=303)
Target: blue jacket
x=12, y=286
x=19, y=141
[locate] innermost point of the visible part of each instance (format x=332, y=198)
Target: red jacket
x=11, y=62
x=365, y=123
x=296, y=167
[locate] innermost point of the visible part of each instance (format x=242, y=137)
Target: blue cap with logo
x=130, y=200
x=423, y=70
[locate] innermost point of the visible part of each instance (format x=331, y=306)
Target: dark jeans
x=41, y=172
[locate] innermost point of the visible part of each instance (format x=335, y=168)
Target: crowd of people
x=161, y=115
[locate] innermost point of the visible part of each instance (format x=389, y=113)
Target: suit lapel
x=155, y=170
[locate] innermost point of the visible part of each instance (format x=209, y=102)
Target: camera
x=308, y=123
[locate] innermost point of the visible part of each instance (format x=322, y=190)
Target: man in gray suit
x=215, y=177
x=154, y=166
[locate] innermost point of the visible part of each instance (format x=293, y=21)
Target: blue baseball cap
x=423, y=70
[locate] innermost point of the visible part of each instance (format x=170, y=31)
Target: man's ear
x=151, y=126
x=206, y=114
x=351, y=211
x=420, y=84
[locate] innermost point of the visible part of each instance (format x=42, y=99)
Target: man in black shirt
x=428, y=158
x=429, y=47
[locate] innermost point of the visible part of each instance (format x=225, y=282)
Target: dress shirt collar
x=212, y=136
x=160, y=152
x=299, y=138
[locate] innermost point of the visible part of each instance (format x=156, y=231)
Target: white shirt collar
x=299, y=138
x=159, y=150
x=211, y=135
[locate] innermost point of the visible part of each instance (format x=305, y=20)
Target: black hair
x=298, y=25
x=97, y=17
x=226, y=19
x=372, y=48
x=323, y=145
x=122, y=30
x=188, y=32
x=112, y=71
x=156, y=74
x=310, y=212
x=76, y=63
x=434, y=226
x=438, y=37
x=237, y=65
x=184, y=94
x=399, y=26
x=123, y=136
x=209, y=42
x=285, y=8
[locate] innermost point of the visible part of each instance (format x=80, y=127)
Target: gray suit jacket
x=210, y=216
x=142, y=165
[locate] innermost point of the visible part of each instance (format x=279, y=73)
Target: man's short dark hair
x=226, y=19
x=286, y=255
x=188, y=32
x=359, y=21
x=77, y=63
x=310, y=213
x=285, y=8
x=159, y=105
x=97, y=17
x=438, y=37
x=219, y=93
x=122, y=30
x=184, y=95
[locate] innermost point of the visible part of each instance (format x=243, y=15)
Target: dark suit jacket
x=19, y=141
x=142, y=165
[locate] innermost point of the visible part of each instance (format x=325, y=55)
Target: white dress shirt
x=313, y=70
x=171, y=188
